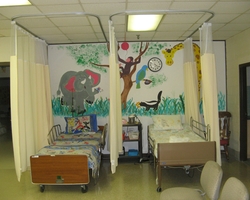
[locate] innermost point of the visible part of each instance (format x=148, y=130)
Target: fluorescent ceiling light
x=14, y=2
x=143, y=22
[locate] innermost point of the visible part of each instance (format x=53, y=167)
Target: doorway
x=244, y=109
x=5, y=125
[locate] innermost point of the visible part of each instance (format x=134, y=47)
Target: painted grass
x=167, y=106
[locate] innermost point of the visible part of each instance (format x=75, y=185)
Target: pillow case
x=167, y=122
x=81, y=124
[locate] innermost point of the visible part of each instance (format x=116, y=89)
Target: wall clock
x=154, y=64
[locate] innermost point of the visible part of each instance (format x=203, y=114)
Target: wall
x=59, y=66
x=169, y=80
x=238, y=52
x=5, y=56
x=5, y=49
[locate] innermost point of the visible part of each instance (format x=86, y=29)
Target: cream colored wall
x=5, y=49
x=237, y=52
x=5, y=55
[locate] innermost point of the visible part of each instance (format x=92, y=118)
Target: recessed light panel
x=143, y=22
x=14, y=2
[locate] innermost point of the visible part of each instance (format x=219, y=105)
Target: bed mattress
x=172, y=136
x=80, y=136
x=94, y=143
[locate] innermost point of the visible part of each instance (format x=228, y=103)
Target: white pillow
x=167, y=122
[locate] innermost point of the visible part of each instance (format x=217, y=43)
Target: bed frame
x=63, y=169
x=56, y=130
x=60, y=170
x=185, y=154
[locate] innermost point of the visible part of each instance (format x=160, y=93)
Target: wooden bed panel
x=192, y=153
x=59, y=169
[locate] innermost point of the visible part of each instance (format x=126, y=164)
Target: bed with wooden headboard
x=68, y=159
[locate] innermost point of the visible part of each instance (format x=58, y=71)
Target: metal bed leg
x=159, y=177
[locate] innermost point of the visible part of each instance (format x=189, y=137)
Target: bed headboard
x=54, y=132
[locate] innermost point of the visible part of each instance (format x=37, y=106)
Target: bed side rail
x=200, y=129
x=54, y=132
x=150, y=143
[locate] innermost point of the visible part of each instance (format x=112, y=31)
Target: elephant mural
x=77, y=87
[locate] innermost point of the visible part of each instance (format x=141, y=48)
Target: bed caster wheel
x=42, y=188
x=84, y=188
x=158, y=189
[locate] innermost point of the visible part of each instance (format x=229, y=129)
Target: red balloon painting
x=125, y=46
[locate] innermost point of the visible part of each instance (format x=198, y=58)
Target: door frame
x=243, y=110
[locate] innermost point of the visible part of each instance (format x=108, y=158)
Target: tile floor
x=133, y=181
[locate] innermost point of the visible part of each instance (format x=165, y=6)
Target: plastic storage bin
x=133, y=152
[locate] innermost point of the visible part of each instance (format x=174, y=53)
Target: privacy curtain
x=190, y=82
x=31, y=109
x=209, y=85
x=115, y=115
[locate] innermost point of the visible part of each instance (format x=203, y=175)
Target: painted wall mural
x=169, y=55
x=151, y=75
x=77, y=87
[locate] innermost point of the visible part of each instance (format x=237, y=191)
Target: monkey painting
x=128, y=64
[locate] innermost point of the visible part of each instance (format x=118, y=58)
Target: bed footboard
x=182, y=154
x=59, y=170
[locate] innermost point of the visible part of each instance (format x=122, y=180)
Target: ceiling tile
x=231, y=7
x=51, y=38
x=52, y=2
x=223, y=18
x=244, y=18
x=14, y=11
x=61, y=8
x=192, y=5
x=148, y=6
x=101, y=1
x=181, y=18
x=104, y=8
x=35, y=22
x=81, y=36
x=234, y=27
x=70, y=21
x=173, y=27
x=45, y=31
x=5, y=24
x=222, y=34
x=77, y=29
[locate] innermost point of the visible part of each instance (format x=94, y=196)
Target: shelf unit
x=125, y=156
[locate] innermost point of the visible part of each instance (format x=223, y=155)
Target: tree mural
x=129, y=70
x=127, y=78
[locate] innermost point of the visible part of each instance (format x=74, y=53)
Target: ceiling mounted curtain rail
x=144, y=12
x=59, y=14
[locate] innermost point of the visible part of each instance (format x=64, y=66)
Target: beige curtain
x=115, y=116
x=209, y=85
x=190, y=83
x=31, y=109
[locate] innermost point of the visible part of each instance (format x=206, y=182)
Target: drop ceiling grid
x=231, y=17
